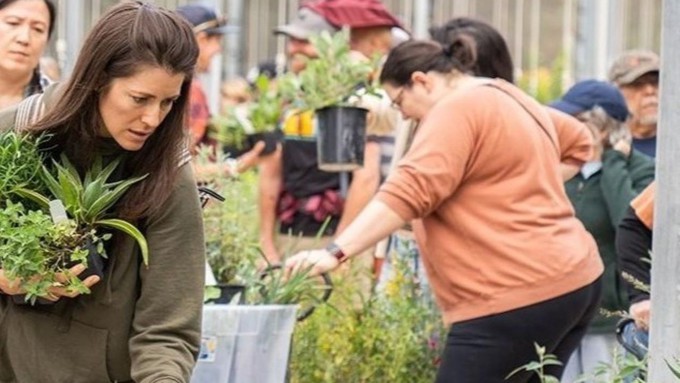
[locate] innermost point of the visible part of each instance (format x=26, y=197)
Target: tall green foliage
x=332, y=78
x=396, y=336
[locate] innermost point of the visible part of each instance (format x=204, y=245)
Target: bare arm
x=213, y=170
x=270, y=185
x=365, y=181
x=374, y=223
x=575, y=141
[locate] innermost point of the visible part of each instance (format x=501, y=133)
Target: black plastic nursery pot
x=228, y=292
x=341, y=138
x=270, y=139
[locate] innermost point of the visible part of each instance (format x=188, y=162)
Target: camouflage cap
x=631, y=65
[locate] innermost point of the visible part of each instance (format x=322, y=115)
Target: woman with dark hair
x=25, y=29
x=126, y=98
x=508, y=263
x=492, y=56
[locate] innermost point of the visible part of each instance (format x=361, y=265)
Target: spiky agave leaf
x=131, y=230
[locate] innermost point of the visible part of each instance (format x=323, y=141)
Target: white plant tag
x=57, y=211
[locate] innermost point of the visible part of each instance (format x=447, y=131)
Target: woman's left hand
x=316, y=261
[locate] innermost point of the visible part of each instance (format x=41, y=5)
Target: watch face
x=335, y=251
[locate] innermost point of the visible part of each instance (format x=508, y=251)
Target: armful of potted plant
x=63, y=246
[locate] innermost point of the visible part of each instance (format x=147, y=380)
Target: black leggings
x=486, y=350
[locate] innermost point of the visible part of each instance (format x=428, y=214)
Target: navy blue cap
x=587, y=94
x=203, y=19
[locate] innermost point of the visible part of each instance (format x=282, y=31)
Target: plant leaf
x=34, y=196
x=107, y=199
x=132, y=231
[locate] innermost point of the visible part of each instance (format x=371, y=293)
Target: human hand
x=623, y=146
x=316, y=262
x=640, y=312
x=621, y=140
x=270, y=253
x=250, y=158
x=58, y=292
x=14, y=287
x=9, y=286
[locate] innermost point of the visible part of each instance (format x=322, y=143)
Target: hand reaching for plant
x=250, y=158
x=316, y=261
x=14, y=287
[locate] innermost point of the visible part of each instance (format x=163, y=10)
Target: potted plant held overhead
x=246, y=124
x=331, y=85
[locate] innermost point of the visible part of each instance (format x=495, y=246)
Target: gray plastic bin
x=252, y=343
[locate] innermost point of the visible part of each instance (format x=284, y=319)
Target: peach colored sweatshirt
x=643, y=205
x=575, y=140
x=497, y=231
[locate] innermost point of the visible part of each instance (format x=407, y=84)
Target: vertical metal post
x=75, y=15
x=519, y=38
x=233, y=41
x=461, y=8
x=535, y=48
x=665, y=326
x=601, y=38
x=421, y=17
x=500, y=16
x=567, y=43
x=646, y=19
x=592, y=44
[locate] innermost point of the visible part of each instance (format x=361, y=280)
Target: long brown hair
x=128, y=37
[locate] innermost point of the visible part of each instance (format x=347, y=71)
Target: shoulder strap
x=551, y=137
x=29, y=111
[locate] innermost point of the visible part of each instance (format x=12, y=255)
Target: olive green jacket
x=139, y=324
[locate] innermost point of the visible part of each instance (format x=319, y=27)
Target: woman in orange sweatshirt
x=508, y=262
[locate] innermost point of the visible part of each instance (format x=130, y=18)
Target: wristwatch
x=335, y=250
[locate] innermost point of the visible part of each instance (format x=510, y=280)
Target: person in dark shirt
x=600, y=193
x=633, y=246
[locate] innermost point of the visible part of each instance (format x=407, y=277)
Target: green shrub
x=394, y=337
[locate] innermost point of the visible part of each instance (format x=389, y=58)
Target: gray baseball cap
x=307, y=23
x=631, y=65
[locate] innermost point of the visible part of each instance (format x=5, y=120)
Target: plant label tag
x=208, y=349
x=57, y=211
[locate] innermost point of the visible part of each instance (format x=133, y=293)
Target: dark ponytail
x=425, y=56
x=492, y=56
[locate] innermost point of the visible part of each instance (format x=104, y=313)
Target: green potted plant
x=229, y=231
x=20, y=164
x=244, y=125
x=330, y=85
x=42, y=237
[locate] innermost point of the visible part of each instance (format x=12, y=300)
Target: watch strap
x=336, y=252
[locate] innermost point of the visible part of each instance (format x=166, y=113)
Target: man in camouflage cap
x=636, y=73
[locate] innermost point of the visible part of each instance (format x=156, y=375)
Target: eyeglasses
x=396, y=102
